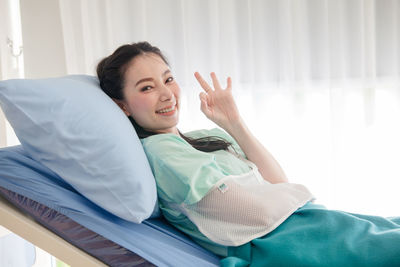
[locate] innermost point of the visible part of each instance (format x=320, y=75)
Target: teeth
x=165, y=110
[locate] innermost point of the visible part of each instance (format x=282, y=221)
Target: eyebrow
x=151, y=79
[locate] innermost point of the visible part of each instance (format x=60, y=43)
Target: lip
x=169, y=113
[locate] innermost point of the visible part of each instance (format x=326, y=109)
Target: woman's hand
x=219, y=106
x=217, y=103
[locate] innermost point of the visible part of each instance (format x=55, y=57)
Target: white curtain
x=11, y=58
x=316, y=80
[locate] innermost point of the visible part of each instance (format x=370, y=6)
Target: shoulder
x=168, y=146
x=209, y=132
x=160, y=141
x=220, y=133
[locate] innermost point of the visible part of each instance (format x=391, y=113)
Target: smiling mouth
x=166, y=110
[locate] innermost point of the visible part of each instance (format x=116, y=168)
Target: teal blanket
x=316, y=236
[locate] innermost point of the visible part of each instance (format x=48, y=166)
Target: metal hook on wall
x=10, y=44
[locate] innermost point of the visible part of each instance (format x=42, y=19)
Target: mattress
x=92, y=243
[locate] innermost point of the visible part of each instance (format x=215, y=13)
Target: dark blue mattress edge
x=92, y=243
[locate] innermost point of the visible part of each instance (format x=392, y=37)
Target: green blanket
x=316, y=236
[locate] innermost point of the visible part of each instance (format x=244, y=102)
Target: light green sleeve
x=182, y=173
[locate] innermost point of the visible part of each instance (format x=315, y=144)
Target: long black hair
x=111, y=72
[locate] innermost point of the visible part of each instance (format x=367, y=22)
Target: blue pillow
x=70, y=126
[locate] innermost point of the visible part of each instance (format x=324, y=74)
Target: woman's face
x=151, y=95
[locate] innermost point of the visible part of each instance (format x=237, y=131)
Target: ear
x=122, y=105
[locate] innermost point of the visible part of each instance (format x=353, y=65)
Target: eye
x=170, y=79
x=146, y=88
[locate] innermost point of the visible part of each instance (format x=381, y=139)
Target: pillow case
x=70, y=126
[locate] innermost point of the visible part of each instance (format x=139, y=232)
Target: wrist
x=237, y=128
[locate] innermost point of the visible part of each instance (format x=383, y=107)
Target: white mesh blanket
x=243, y=207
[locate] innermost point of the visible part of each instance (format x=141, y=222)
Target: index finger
x=215, y=81
x=202, y=82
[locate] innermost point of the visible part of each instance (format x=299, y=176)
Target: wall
x=43, y=40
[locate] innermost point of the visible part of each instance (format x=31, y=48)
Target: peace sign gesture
x=217, y=103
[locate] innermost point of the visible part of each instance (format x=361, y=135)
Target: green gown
x=311, y=236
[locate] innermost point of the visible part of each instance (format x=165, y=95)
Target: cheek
x=140, y=106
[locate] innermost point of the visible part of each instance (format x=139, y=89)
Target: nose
x=166, y=93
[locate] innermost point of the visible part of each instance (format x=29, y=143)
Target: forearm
x=257, y=153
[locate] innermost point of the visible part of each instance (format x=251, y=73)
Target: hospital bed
x=39, y=207
x=73, y=137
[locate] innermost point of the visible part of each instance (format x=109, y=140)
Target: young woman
x=223, y=188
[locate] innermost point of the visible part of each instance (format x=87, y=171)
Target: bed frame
x=26, y=227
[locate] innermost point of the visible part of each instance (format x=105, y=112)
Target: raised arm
x=219, y=106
